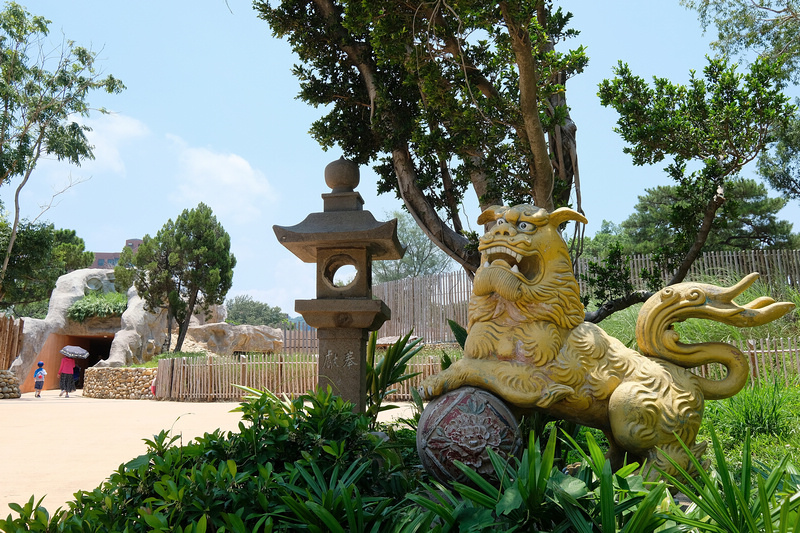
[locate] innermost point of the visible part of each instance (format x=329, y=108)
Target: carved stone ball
x=342, y=175
x=462, y=425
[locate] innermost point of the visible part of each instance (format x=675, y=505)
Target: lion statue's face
x=525, y=261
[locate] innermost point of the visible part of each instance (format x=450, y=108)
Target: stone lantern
x=344, y=312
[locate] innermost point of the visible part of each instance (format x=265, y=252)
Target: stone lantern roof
x=343, y=223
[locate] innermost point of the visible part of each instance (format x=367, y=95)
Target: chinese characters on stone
x=332, y=360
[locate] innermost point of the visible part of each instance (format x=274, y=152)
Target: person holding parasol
x=66, y=381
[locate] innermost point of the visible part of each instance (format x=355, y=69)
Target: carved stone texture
x=528, y=343
x=461, y=426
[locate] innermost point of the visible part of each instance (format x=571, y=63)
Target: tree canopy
x=771, y=30
x=720, y=121
x=124, y=271
x=243, y=309
x=422, y=256
x=441, y=99
x=748, y=220
x=186, y=267
x=42, y=91
x=71, y=250
x=41, y=254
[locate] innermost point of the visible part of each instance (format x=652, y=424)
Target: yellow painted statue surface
x=528, y=343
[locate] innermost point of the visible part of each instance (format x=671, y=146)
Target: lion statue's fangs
x=529, y=345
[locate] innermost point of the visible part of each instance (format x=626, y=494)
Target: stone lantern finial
x=342, y=175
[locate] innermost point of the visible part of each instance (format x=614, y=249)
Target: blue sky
x=210, y=115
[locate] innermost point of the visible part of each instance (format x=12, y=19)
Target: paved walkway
x=53, y=446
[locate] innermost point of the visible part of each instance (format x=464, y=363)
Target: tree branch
x=529, y=108
x=702, y=236
x=618, y=304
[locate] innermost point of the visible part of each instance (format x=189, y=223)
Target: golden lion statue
x=528, y=343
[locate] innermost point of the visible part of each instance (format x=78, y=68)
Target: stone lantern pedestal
x=344, y=312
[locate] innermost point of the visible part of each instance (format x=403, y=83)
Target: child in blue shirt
x=38, y=379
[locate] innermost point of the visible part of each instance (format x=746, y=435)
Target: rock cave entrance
x=99, y=348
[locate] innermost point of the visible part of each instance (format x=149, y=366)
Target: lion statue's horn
x=492, y=213
x=563, y=214
x=557, y=217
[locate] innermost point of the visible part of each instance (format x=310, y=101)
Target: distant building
x=110, y=260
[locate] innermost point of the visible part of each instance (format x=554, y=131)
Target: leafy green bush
x=100, y=305
x=383, y=373
x=307, y=461
x=533, y=495
x=726, y=501
x=311, y=464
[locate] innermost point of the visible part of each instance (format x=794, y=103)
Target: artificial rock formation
x=137, y=336
x=70, y=288
x=225, y=339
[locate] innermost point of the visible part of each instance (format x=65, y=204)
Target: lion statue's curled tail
x=528, y=344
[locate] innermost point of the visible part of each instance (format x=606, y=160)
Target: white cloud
x=109, y=133
x=226, y=182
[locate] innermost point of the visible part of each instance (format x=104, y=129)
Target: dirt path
x=53, y=446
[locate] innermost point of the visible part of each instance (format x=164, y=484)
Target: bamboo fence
x=301, y=339
x=10, y=340
x=426, y=303
x=212, y=378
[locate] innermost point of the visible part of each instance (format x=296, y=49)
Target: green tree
x=41, y=93
x=41, y=255
x=32, y=271
x=609, y=234
x=721, y=121
x=186, y=268
x=748, y=220
x=771, y=29
x=441, y=98
x=243, y=309
x=124, y=271
x=781, y=165
x=422, y=257
x=71, y=250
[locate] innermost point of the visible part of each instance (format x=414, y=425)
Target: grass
x=153, y=363
x=769, y=411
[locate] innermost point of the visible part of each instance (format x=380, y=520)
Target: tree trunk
x=702, y=236
x=541, y=168
x=425, y=215
x=183, y=326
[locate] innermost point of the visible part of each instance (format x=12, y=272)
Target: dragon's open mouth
x=502, y=256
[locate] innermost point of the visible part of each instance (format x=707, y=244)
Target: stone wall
x=119, y=383
x=9, y=385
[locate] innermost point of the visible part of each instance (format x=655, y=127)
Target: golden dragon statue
x=528, y=344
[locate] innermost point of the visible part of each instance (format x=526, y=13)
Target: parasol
x=74, y=352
